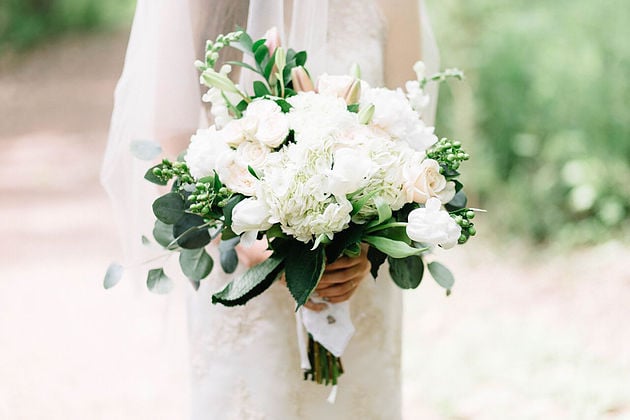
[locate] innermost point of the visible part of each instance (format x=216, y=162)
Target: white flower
x=350, y=171
x=334, y=85
x=233, y=133
x=273, y=129
x=395, y=115
x=313, y=117
x=248, y=218
x=418, y=99
x=252, y=154
x=425, y=180
x=260, y=108
x=433, y=226
x=420, y=69
x=205, y=147
x=234, y=174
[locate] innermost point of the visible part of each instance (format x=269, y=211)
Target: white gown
x=245, y=360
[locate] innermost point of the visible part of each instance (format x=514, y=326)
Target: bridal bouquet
x=316, y=169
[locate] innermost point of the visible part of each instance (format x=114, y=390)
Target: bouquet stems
x=326, y=368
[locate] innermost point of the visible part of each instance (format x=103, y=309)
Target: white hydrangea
x=314, y=117
x=395, y=115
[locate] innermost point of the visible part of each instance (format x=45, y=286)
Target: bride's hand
x=341, y=279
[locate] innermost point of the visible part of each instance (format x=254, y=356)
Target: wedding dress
x=245, y=360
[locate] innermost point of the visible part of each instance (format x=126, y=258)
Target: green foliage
x=406, y=272
x=304, y=269
x=442, y=276
x=546, y=107
x=25, y=22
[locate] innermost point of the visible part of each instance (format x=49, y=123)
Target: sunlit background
x=537, y=325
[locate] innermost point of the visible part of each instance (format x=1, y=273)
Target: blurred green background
x=544, y=110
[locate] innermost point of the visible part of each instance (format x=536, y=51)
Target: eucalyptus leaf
x=150, y=176
x=196, y=264
x=189, y=232
x=113, y=275
x=145, y=149
x=228, y=255
x=169, y=208
x=145, y=240
x=393, y=248
x=303, y=269
x=158, y=282
x=163, y=233
x=406, y=272
x=459, y=201
x=252, y=283
x=441, y=275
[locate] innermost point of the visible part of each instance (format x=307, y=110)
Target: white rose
x=248, y=218
x=425, y=181
x=334, y=85
x=433, y=226
x=233, y=134
x=235, y=175
x=260, y=108
x=205, y=146
x=252, y=154
x=350, y=171
x=273, y=129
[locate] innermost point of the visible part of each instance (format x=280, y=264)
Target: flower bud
x=420, y=68
x=272, y=39
x=301, y=81
x=220, y=81
x=366, y=113
x=355, y=71
x=353, y=94
x=281, y=58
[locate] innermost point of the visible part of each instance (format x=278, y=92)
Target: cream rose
x=253, y=154
x=425, y=181
x=235, y=174
x=273, y=129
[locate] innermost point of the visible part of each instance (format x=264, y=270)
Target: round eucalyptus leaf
x=163, y=233
x=228, y=255
x=406, y=272
x=145, y=149
x=441, y=275
x=196, y=264
x=113, y=275
x=169, y=208
x=188, y=232
x=158, y=282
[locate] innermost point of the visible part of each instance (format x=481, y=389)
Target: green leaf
x=303, y=268
x=284, y=105
x=353, y=108
x=377, y=258
x=275, y=231
x=158, y=282
x=243, y=44
x=227, y=210
x=169, y=208
x=260, y=89
x=189, y=233
x=406, y=272
x=150, y=176
x=343, y=240
x=383, y=209
x=395, y=249
x=441, y=275
x=257, y=44
x=269, y=66
x=145, y=149
x=228, y=255
x=113, y=275
x=163, y=233
x=196, y=264
x=244, y=65
x=145, y=240
x=300, y=58
x=252, y=283
x=458, y=202
x=261, y=54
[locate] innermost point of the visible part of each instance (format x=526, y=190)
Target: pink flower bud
x=301, y=81
x=272, y=40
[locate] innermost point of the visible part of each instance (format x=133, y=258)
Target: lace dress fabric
x=245, y=360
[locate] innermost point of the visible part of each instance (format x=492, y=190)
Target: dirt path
x=522, y=337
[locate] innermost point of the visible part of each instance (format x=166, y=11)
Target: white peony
x=205, y=147
x=433, y=226
x=425, y=180
x=350, y=171
x=314, y=117
x=248, y=218
x=395, y=115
